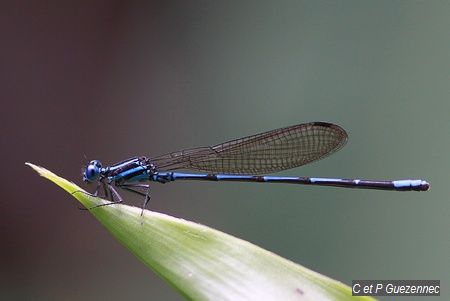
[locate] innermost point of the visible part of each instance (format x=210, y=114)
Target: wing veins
x=270, y=151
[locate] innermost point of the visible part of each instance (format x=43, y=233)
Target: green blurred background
x=113, y=79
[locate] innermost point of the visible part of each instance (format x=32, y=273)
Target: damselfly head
x=92, y=171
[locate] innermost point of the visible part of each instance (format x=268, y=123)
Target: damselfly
x=240, y=160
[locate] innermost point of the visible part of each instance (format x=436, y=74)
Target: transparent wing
x=267, y=152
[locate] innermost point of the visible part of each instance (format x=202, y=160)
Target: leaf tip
x=35, y=167
x=40, y=170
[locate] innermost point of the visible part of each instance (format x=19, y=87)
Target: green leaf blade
x=203, y=263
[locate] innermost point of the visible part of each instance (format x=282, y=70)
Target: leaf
x=203, y=263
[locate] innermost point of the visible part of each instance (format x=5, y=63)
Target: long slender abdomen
x=400, y=185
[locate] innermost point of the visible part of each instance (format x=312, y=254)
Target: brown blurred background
x=113, y=79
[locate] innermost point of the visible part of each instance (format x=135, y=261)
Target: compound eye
x=92, y=171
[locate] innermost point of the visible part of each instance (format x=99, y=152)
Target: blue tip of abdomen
x=413, y=184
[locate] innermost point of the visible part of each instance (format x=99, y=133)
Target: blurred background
x=113, y=79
